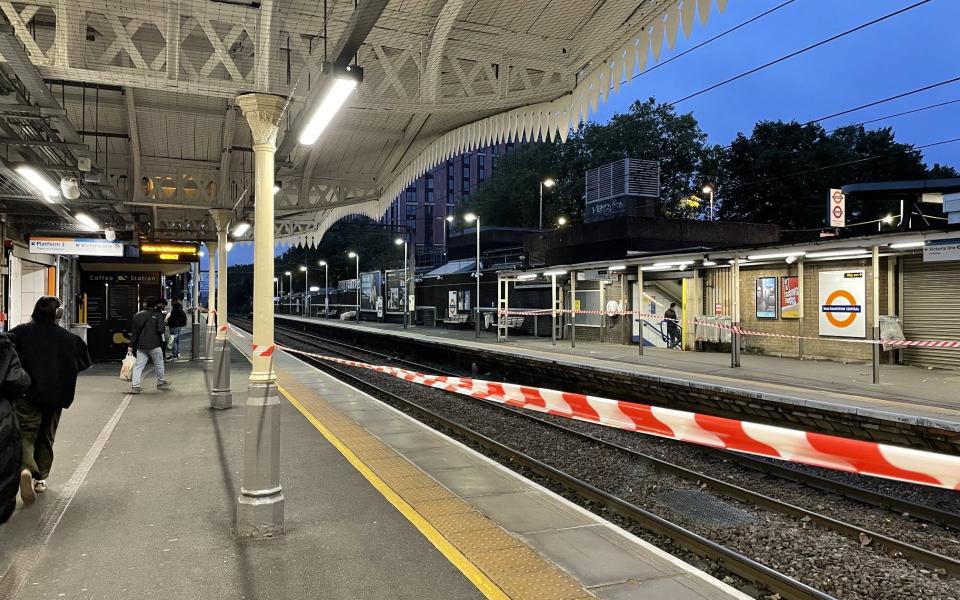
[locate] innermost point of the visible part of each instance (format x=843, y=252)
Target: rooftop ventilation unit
x=627, y=187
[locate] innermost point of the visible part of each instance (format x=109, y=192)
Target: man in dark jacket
x=176, y=322
x=52, y=356
x=146, y=340
x=15, y=382
x=673, y=326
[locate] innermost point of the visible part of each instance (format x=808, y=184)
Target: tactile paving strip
x=509, y=563
x=705, y=509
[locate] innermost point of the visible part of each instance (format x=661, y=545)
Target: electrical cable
x=801, y=51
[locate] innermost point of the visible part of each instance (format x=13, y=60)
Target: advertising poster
x=451, y=304
x=394, y=291
x=789, y=297
x=369, y=290
x=843, y=299
x=767, y=297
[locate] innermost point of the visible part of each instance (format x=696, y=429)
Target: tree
x=782, y=172
x=648, y=131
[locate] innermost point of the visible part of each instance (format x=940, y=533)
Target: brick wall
x=823, y=348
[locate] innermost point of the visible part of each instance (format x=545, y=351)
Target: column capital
x=263, y=113
x=221, y=218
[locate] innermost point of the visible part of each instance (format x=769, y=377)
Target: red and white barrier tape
x=832, y=452
x=736, y=329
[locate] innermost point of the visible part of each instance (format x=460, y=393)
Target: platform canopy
x=146, y=90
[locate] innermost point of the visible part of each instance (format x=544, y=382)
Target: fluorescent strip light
x=775, y=255
x=902, y=245
x=557, y=273
x=676, y=263
x=229, y=246
x=526, y=277
x=849, y=257
x=616, y=267
x=241, y=228
x=656, y=268
x=709, y=263
x=743, y=261
x=832, y=253
x=87, y=221
x=336, y=96
x=38, y=182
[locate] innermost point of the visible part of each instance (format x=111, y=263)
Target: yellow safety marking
x=456, y=558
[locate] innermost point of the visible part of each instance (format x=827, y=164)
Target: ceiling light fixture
x=342, y=83
x=833, y=253
x=903, y=245
x=776, y=255
x=39, y=182
x=241, y=228
x=88, y=222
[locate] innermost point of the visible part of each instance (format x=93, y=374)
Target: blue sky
x=911, y=50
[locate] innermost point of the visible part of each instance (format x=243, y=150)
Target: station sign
x=837, y=205
x=171, y=251
x=941, y=250
x=843, y=299
x=75, y=246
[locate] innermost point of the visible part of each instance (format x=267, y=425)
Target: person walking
x=673, y=326
x=15, y=383
x=146, y=340
x=52, y=357
x=176, y=322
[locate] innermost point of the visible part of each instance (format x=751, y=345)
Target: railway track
x=735, y=562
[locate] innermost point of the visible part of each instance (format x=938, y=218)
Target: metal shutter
x=931, y=311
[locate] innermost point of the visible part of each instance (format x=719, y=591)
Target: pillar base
x=260, y=517
x=220, y=395
x=196, y=341
x=260, y=505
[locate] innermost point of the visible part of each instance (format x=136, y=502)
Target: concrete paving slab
x=481, y=480
x=529, y=511
x=596, y=558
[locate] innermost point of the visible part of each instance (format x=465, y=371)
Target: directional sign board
x=838, y=208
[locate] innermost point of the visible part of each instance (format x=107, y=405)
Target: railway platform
x=910, y=401
x=143, y=494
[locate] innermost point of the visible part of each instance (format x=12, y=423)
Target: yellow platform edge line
x=473, y=573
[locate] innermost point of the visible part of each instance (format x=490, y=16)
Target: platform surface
x=153, y=517
x=906, y=394
x=143, y=493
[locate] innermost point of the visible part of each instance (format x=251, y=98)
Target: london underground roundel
x=843, y=303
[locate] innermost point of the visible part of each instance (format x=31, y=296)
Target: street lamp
x=561, y=221
x=276, y=288
x=353, y=254
x=289, y=291
x=406, y=255
x=470, y=218
x=326, y=288
x=708, y=189
x=546, y=183
x=306, y=288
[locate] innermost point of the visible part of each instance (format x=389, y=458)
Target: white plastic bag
x=126, y=367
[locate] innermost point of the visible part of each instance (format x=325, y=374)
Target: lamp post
x=406, y=255
x=446, y=234
x=470, y=218
x=326, y=288
x=561, y=221
x=276, y=288
x=708, y=189
x=357, y=256
x=306, y=288
x=546, y=183
x=289, y=292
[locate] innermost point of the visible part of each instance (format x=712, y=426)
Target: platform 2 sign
x=75, y=246
x=843, y=300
